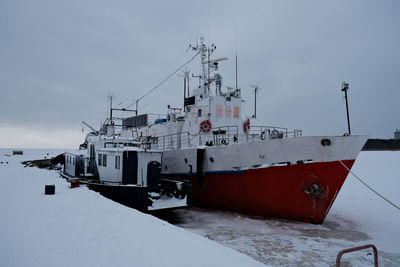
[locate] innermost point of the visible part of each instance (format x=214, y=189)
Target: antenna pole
x=345, y=87
x=236, y=70
x=255, y=102
x=184, y=88
x=208, y=66
x=256, y=89
x=236, y=73
x=110, y=96
x=188, y=91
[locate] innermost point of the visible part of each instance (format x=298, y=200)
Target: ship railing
x=270, y=132
x=222, y=135
x=171, y=141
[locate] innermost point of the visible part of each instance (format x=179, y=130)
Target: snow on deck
x=79, y=227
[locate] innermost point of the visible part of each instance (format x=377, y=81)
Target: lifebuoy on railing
x=205, y=126
x=246, y=126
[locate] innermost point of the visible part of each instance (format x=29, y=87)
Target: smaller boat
x=124, y=170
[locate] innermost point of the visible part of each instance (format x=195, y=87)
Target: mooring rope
x=370, y=188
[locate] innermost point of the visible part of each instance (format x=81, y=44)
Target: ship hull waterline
x=303, y=192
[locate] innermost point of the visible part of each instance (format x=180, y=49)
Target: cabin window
x=100, y=159
x=105, y=160
x=199, y=112
x=219, y=110
x=236, y=112
x=117, y=162
x=228, y=111
x=109, y=145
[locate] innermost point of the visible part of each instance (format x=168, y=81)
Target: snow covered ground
x=357, y=217
x=78, y=227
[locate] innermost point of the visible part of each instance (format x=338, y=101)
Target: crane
x=90, y=127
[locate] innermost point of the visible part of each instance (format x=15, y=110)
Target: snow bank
x=78, y=227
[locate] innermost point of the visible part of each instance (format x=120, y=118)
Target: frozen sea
x=356, y=218
x=79, y=227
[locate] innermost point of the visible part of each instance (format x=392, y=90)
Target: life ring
x=223, y=141
x=205, y=126
x=246, y=126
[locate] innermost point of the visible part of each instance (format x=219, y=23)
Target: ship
x=224, y=161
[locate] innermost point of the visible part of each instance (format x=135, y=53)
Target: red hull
x=299, y=192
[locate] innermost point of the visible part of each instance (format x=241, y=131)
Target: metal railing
x=219, y=136
x=340, y=254
x=171, y=141
x=223, y=135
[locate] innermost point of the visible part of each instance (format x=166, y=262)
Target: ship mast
x=205, y=53
x=204, y=49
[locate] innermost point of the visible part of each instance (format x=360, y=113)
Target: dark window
x=100, y=159
x=117, y=162
x=104, y=160
x=199, y=113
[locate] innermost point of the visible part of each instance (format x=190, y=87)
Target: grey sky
x=59, y=59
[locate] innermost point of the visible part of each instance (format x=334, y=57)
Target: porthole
x=211, y=159
x=325, y=142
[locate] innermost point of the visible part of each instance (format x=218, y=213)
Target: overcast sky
x=59, y=60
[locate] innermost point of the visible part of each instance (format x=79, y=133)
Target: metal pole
x=255, y=102
x=347, y=111
x=111, y=108
x=184, y=90
x=236, y=72
x=188, y=86
x=345, y=87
